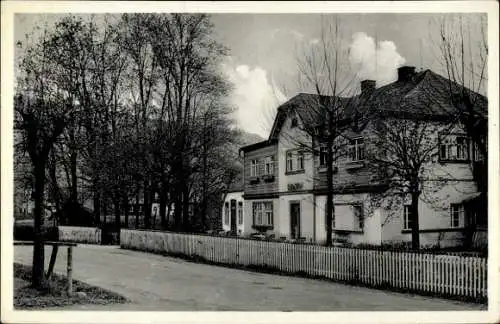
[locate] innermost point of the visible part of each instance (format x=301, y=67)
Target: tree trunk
x=74, y=180
x=146, y=205
x=177, y=207
x=185, y=208
x=38, y=277
x=97, y=206
x=330, y=208
x=116, y=204
x=126, y=207
x=163, y=207
x=205, y=177
x=73, y=166
x=136, y=210
x=415, y=235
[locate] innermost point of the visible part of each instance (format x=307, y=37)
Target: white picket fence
x=418, y=272
x=91, y=235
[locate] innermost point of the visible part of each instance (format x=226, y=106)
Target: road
x=154, y=282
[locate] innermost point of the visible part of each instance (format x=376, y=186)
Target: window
x=462, y=149
x=254, y=168
x=269, y=165
x=226, y=213
x=356, y=149
x=294, y=161
x=407, y=216
x=454, y=147
x=240, y=212
x=300, y=160
x=294, y=122
x=323, y=155
x=289, y=161
x=262, y=213
x=476, y=152
x=456, y=211
x=348, y=217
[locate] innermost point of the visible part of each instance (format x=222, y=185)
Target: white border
x=11, y=7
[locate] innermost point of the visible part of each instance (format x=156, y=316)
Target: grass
x=26, y=297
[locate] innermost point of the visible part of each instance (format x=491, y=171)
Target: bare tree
x=323, y=68
x=401, y=154
x=44, y=106
x=187, y=57
x=462, y=50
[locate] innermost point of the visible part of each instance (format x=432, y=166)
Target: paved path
x=154, y=282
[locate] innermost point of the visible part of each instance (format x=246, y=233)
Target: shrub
x=25, y=231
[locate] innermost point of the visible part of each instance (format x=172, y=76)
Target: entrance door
x=233, y=216
x=295, y=220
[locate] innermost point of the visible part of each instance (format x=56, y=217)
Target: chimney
x=406, y=73
x=367, y=86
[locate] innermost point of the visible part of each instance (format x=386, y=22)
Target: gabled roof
x=426, y=95
x=256, y=146
x=309, y=108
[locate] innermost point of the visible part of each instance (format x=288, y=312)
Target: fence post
x=70, y=270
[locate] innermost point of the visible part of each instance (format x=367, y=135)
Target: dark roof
x=425, y=95
x=309, y=109
x=258, y=145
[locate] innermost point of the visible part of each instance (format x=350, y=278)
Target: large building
x=285, y=184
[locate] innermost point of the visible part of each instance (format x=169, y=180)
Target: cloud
x=255, y=97
x=374, y=61
x=280, y=32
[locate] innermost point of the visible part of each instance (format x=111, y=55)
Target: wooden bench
x=53, y=255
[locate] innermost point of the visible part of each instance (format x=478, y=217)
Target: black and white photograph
x=161, y=161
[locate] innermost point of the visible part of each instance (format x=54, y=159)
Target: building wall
x=240, y=228
x=262, y=186
x=447, y=183
x=248, y=216
x=293, y=138
x=307, y=216
x=348, y=174
x=434, y=215
x=371, y=233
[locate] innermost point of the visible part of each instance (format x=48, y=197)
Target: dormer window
x=295, y=122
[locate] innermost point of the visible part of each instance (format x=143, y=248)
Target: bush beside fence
x=445, y=275
x=78, y=234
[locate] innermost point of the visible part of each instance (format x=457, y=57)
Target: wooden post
x=70, y=270
x=52, y=261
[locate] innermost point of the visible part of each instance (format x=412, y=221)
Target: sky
x=264, y=50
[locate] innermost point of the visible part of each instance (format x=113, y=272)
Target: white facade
x=357, y=219
x=233, y=218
